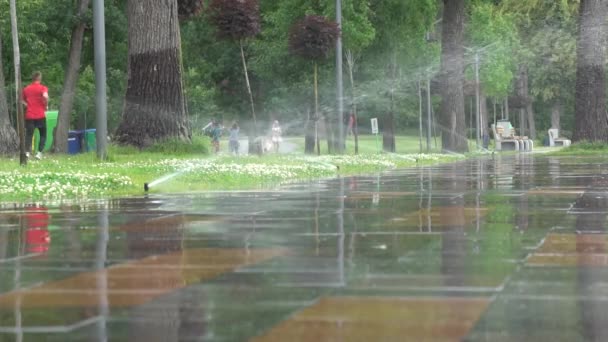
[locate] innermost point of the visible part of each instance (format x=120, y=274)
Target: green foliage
x=199, y=145
x=235, y=19
x=187, y=9
x=548, y=35
x=494, y=36
x=395, y=42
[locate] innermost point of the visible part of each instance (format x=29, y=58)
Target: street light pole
x=339, y=82
x=477, y=114
x=99, y=37
x=428, y=114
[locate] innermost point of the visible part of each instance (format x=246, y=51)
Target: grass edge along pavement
x=583, y=149
x=81, y=177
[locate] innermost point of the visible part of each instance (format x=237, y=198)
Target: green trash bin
x=51, y=123
x=90, y=139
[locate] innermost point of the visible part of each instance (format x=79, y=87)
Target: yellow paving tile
x=572, y=250
x=381, y=319
x=137, y=282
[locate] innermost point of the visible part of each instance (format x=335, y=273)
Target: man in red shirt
x=36, y=98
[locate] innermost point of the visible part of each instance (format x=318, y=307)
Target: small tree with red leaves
x=313, y=38
x=237, y=20
x=187, y=9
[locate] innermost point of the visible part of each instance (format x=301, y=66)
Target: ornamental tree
x=187, y=9
x=313, y=38
x=237, y=20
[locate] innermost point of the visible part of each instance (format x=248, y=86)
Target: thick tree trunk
x=556, y=113
x=60, y=136
x=154, y=104
x=388, y=122
x=522, y=122
x=590, y=99
x=9, y=140
x=521, y=99
x=388, y=133
x=452, y=116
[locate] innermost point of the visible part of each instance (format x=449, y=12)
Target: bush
x=199, y=145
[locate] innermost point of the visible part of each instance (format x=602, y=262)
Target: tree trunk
x=17, y=67
x=60, y=136
x=388, y=133
x=9, y=141
x=520, y=99
x=452, y=116
x=255, y=148
x=590, y=121
x=309, y=138
x=522, y=122
x=529, y=108
x=388, y=123
x=317, y=118
x=483, y=113
x=154, y=103
x=556, y=113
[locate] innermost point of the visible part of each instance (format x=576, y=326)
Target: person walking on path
x=36, y=99
x=233, y=140
x=275, y=135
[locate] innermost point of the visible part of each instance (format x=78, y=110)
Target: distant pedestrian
x=351, y=124
x=216, y=134
x=275, y=135
x=233, y=141
x=36, y=98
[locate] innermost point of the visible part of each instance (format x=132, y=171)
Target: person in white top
x=275, y=135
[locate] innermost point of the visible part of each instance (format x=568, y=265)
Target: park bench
x=555, y=140
x=506, y=140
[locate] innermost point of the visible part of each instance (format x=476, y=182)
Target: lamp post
x=477, y=105
x=99, y=35
x=339, y=82
x=429, y=122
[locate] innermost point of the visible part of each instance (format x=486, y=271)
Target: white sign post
x=375, y=130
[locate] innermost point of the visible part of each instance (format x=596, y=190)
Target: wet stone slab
x=508, y=248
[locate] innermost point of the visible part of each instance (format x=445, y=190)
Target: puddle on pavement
x=512, y=248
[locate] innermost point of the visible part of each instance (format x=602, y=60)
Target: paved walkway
x=508, y=248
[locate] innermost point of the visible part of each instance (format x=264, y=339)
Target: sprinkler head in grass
x=146, y=187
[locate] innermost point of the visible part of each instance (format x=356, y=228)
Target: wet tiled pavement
x=510, y=248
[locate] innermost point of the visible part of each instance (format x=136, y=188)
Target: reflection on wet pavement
x=501, y=249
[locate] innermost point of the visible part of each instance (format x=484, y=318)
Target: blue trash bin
x=74, y=141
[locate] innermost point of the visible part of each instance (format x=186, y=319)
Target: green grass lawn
x=83, y=176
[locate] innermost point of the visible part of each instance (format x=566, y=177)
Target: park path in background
x=285, y=147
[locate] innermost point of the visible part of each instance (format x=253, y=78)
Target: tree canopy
x=396, y=42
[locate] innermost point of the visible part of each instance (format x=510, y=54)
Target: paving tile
x=380, y=319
